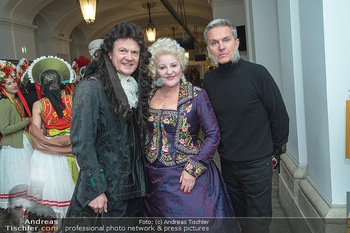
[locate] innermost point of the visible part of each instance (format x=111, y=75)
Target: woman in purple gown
x=183, y=180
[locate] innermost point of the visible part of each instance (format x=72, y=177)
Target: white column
x=292, y=76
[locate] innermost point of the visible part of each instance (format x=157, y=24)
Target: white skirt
x=51, y=187
x=14, y=171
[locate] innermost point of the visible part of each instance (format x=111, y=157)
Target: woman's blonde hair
x=166, y=46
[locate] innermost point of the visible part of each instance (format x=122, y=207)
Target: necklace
x=17, y=105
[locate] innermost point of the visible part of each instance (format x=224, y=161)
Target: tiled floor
x=279, y=222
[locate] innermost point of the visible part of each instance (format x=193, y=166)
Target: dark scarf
x=55, y=98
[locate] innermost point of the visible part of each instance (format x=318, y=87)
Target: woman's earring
x=160, y=82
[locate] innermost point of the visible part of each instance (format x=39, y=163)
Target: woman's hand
x=187, y=181
x=99, y=203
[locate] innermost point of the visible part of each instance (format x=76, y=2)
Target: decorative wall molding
x=17, y=24
x=296, y=173
x=302, y=199
x=51, y=39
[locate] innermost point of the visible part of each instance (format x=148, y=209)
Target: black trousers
x=121, y=215
x=249, y=184
x=127, y=208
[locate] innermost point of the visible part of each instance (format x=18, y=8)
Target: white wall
x=315, y=92
x=337, y=49
x=262, y=27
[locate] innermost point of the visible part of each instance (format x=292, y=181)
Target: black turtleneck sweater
x=249, y=108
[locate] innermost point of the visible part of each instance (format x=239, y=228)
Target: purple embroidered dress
x=173, y=145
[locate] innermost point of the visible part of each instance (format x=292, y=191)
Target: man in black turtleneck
x=253, y=123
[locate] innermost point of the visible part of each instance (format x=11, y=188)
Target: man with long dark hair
x=109, y=112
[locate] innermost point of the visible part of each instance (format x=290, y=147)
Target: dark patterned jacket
x=108, y=150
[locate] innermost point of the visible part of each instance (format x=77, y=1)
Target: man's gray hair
x=222, y=22
x=219, y=22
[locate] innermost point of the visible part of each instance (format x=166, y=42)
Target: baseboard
x=307, y=207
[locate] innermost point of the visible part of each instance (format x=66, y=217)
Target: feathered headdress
x=79, y=65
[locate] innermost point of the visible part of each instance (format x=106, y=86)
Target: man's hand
x=99, y=203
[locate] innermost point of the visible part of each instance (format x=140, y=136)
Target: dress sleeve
x=83, y=135
x=5, y=114
x=276, y=110
x=208, y=123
